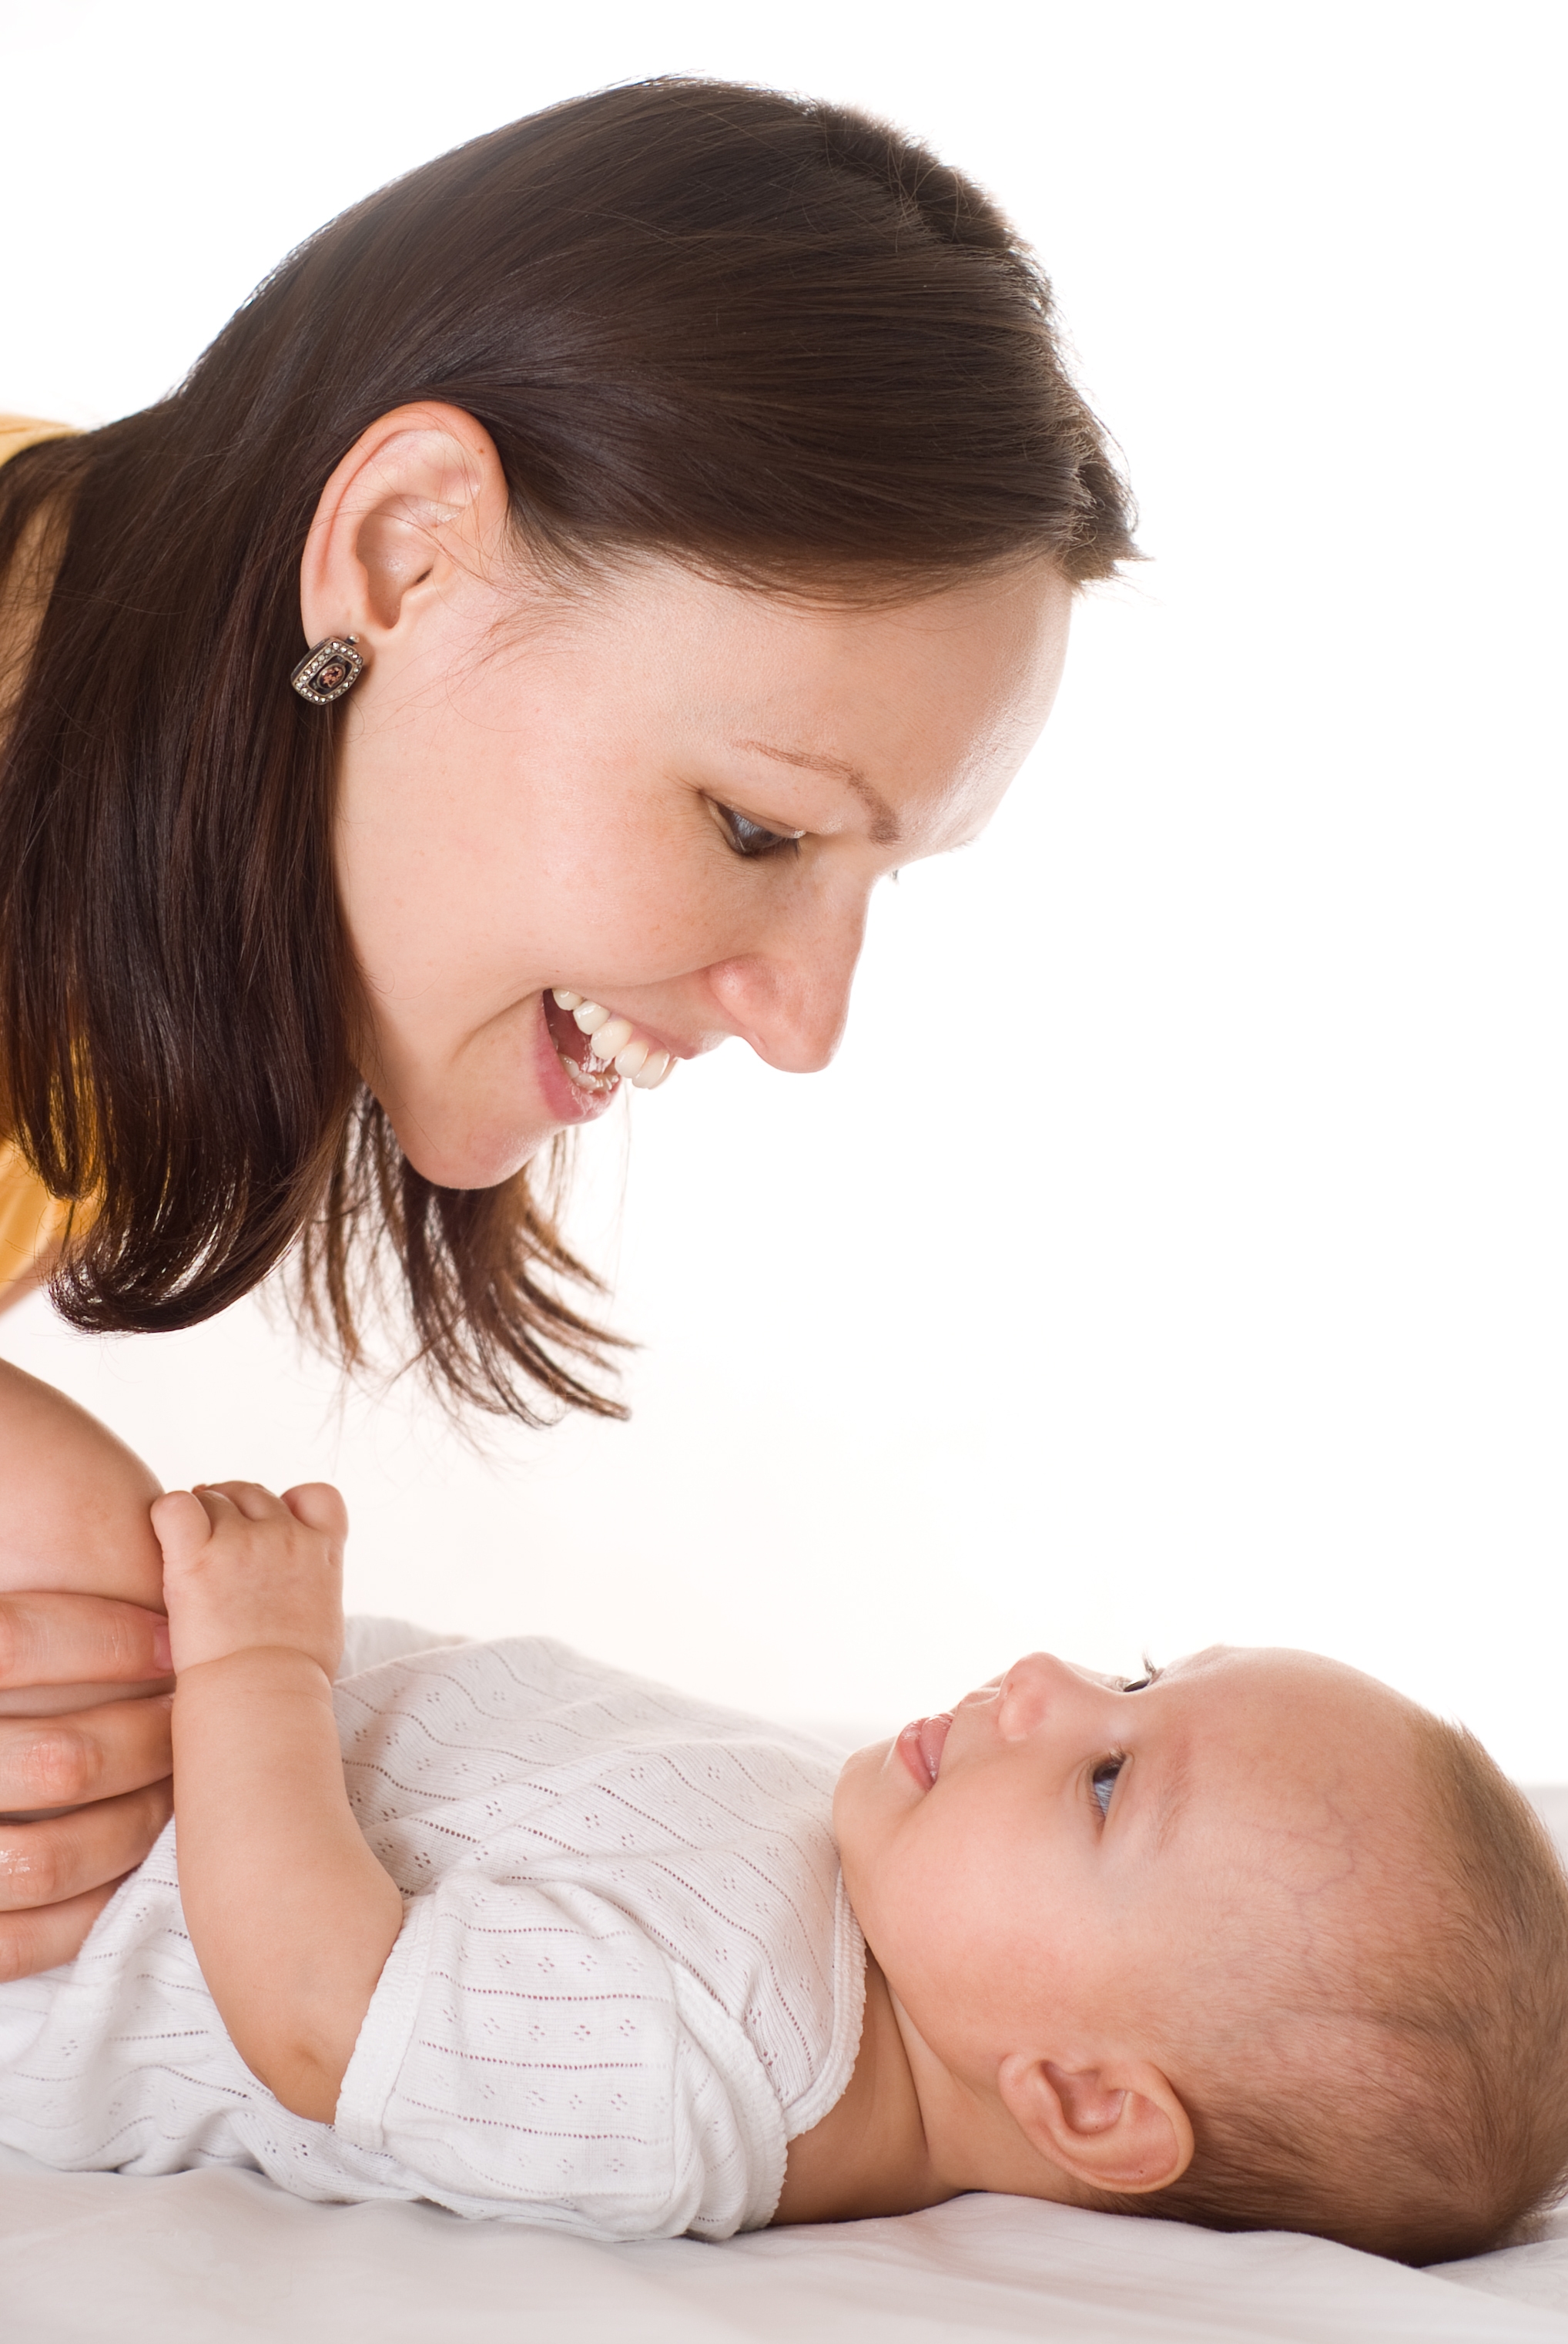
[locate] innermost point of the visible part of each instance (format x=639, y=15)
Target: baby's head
x=1254, y=1943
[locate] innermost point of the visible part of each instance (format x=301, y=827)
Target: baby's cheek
x=925, y=1924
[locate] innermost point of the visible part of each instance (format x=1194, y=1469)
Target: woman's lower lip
x=567, y=1101
x=921, y=1744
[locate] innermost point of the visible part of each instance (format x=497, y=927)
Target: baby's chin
x=869, y=1761
x=856, y=1799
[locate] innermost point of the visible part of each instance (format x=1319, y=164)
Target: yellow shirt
x=31, y=1221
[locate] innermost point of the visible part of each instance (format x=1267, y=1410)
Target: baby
x=1251, y=1941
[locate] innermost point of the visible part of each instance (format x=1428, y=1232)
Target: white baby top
x=628, y=1973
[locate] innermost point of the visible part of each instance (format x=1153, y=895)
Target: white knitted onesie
x=628, y=1973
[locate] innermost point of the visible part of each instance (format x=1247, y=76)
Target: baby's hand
x=244, y=1569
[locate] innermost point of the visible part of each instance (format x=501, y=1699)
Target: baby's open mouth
x=920, y=1745
x=599, y=1050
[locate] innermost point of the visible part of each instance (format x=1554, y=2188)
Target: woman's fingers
x=97, y=1754
x=51, y=1862
x=54, y=1934
x=47, y=1640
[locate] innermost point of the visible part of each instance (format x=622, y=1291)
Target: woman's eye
x=753, y=839
x=1103, y=1782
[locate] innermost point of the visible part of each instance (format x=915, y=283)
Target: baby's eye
x=754, y=839
x=1139, y=1684
x=1103, y=1782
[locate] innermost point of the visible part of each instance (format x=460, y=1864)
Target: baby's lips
x=920, y=1745
x=933, y=1736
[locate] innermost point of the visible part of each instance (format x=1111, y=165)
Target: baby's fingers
x=320, y=1508
x=247, y=1497
x=182, y=1525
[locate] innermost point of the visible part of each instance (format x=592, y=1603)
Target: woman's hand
x=84, y=1725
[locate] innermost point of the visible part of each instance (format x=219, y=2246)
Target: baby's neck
x=908, y=2134
x=869, y=2154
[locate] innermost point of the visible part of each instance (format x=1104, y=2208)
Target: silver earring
x=328, y=669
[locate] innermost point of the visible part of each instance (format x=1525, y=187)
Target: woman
x=682, y=497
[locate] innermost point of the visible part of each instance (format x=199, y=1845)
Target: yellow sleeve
x=31, y=1222
x=19, y=431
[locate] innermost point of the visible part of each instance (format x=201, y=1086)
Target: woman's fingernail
x=162, y=1653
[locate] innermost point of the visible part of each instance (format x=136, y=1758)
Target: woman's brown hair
x=769, y=337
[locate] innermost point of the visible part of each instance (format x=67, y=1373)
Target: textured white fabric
x=223, y=2257
x=368, y=1639
x=627, y=1975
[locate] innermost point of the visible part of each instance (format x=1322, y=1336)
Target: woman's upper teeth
x=616, y=1043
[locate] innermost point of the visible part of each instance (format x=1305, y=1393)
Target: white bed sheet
x=217, y=2256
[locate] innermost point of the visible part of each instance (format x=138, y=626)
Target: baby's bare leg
x=76, y=1554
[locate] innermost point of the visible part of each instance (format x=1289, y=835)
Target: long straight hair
x=766, y=337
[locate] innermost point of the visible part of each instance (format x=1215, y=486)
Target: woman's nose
x=791, y=1001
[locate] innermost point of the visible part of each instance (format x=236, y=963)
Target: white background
x=1233, y=1303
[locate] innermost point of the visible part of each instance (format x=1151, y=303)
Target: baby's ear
x=1117, y=2124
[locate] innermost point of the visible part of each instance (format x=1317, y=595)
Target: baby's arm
x=290, y=1914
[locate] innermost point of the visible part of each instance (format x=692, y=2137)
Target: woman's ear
x=420, y=495
x=1117, y=2125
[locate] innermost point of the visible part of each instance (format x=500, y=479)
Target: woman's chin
x=482, y=1114
x=474, y=1162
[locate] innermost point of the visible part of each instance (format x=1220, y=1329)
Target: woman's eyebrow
x=885, y=831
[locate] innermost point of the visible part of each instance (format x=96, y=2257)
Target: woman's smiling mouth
x=920, y=1745
x=597, y=1050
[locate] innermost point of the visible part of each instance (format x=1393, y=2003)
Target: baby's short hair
x=1405, y=2092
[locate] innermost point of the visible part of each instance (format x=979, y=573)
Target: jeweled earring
x=328, y=671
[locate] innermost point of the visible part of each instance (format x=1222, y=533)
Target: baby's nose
x=1042, y=1690
x=1027, y=1692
